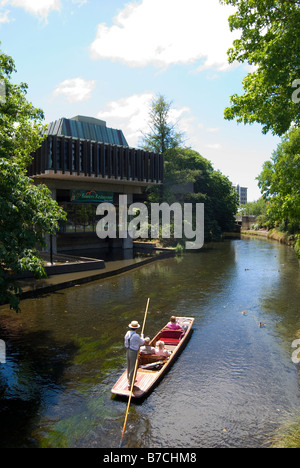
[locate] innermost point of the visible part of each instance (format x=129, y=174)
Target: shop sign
x=91, y=196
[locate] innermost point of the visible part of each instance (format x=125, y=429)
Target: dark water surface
x=233, y=385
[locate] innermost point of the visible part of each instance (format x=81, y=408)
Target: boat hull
x=147, y=379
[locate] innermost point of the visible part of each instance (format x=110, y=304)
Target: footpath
x=32, y=287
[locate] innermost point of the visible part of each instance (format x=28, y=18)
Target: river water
x=233, y=385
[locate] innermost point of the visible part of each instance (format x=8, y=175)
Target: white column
x=128, y=242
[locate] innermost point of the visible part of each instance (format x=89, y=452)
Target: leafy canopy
x=279, y=182
x=163, y=134
x=20, y=122
x=27, y=212
x=270, y=42
x=189, y=177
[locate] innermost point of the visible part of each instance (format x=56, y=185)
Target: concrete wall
x=246, y=221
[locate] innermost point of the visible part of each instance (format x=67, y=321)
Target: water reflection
x=231, y=387
x=31, y=377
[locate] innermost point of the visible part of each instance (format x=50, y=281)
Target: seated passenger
x=147, y=349
x=160, y=349
x=173, y=325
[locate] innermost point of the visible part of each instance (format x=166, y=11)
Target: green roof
x=87, y=128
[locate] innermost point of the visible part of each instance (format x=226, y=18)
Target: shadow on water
x=31, y=378
x=112, y=255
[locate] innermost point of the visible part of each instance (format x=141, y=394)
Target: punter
x=133, y=341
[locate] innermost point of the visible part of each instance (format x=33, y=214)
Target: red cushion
x=171, y=337
x=171, y=334
x=171, y=341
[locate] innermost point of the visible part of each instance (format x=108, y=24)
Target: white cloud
x=4, y=17
x=131, y=114
x=39, y=8
x=214, y=146
x=80, y=3
x=201, y=126
x=212, y=130
x=75, y=89
x=165, y=32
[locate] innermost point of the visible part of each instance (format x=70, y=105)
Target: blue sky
x=110, y=58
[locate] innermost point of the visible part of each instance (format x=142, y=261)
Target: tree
x=270, y=42
x=21, y=132
x=279, y=182
x=27, y=212
x=190, y=178
x=258, y=208
x=163, y=134
x=221, y=205
x=183, y=166
x=255, y=208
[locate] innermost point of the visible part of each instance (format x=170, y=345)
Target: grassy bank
x=282, y=237
x=287, y=436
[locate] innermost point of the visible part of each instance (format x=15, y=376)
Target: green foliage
x=270, y=42
x=256, y=208
x=20, y=122
x=189, y=177
x=163, y=134
x=279, y=182
x=297, y=245
x=27, y=212
x=287, y=435
x=183, y=166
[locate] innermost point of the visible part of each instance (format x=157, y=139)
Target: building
x=242, y=191
x=245, y=222
x=84, y=163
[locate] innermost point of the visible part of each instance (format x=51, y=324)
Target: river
x=233, y=385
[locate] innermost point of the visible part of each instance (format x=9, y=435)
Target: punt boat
x=152, y=368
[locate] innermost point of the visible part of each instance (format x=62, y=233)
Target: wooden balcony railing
x=76, y=157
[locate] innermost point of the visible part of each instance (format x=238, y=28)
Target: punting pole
x=133, y=380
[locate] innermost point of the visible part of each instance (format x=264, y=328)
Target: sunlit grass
x=287, y=436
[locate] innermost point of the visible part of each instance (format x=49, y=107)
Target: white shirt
x=147, y=349
x=133, y=340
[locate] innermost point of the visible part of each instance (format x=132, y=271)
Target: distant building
x=242, y=191
x=84, y=163
x=245, y=222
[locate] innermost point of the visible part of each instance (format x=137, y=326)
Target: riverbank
x=282, y=237
x=32, y=287
x=287, y=436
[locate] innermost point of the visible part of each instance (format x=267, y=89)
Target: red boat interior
x=171, y=338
